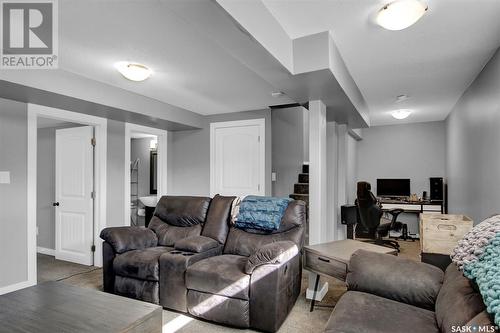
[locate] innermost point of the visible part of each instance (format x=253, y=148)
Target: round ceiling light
x=133, y=71
x=401, y=113
x=401, y=14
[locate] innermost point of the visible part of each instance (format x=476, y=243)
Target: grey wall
x=189, y=155
x=287, y=148
x=13, y=196
x=473, y=141
x=139, y=148
x=116, y=174
x=415, y=151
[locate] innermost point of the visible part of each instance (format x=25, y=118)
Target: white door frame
x=162, y=162
x=261, y=122
x=100, y=124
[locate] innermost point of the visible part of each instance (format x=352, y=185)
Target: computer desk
x=421, y=206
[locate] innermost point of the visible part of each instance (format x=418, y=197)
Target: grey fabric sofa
x=391, y=294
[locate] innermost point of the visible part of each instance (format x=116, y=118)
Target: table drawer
x=325, y=265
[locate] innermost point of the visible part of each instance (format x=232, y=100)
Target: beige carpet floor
x=299, y=320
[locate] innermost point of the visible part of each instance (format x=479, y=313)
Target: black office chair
x=370, y=217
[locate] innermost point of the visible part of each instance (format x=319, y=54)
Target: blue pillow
x=263, y=213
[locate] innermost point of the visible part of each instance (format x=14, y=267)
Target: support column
x=341, y=177
x=317, y=172
x=317, y=187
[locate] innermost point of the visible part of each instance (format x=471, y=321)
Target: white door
x=237, y=157
x=74, y=186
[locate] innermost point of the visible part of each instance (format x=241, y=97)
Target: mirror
x=153, y=165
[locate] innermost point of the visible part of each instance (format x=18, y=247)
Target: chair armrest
x=196, y=244
x=124, y=239
x=399, y=279
x=273, y=253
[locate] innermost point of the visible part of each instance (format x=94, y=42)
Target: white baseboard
x=16, y=286
x=44, y=250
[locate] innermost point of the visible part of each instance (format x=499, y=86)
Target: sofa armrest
x=124, y=239
x=196, y=244
x=273, y=253
x=399, y=279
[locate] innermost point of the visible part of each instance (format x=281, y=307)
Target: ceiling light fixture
x=401, y=98
x=277, y=94
x=401, y=14
x=133, y=71
x=401, y=113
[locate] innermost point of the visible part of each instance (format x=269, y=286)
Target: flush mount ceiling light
x=401, y=113
x=133, y=71
x=401, y=14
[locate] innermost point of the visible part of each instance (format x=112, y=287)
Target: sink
x=149, y=201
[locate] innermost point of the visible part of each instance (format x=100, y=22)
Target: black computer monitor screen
x=393, y=187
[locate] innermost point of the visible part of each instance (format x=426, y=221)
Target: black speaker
x=349, y=214
x=437, y=188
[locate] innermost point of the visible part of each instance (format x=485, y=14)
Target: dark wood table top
x=59, y=307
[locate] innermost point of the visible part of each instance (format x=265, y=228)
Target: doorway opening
x=146, y=172
x=66, y=192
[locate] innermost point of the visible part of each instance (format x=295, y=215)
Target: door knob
x=55, y=204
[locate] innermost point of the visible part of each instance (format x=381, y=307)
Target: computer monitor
x=393, y=187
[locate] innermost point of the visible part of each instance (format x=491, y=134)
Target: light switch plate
x=273, y=176
x=4, y=177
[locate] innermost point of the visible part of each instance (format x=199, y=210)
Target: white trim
x=100, y=124
x=261, y=122
x=16, y=286
x=46, y=251
x=162, y=151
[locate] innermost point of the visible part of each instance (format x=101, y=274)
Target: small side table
x=331, y=259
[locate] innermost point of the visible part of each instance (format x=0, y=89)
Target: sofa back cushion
x=458, y=301
x=168, y=234
x=178, y=217
x=182, y=211
x=245, y=242
x=218, y=218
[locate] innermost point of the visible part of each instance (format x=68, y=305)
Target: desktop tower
x=437, y=188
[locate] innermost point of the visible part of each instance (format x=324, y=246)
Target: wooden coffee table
x=59, y=307
x=332, y=259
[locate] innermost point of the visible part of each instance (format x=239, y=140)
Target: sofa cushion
x=408, y=281
x=169, y=234
x=221, y=275
x=140, y=264
x=196, y=244
x=457, y=302
x=221, y=309
x=361, y=312
x=182, y=211
x=124, y=239
x=243, y=243
x=218, y=218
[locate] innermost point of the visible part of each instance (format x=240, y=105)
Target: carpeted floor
x=299, y=320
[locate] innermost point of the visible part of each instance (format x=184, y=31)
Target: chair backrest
x=369, y=211
x=178, y=217
x=245, y=242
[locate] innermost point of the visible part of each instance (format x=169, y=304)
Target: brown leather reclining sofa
x=191, y=259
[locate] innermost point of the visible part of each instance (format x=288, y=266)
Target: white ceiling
x=190, y=70
x=433, y=61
